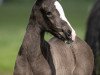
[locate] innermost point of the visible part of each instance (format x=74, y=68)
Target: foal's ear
x=39, y=2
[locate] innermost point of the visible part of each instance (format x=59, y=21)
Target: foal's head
x=51, y=18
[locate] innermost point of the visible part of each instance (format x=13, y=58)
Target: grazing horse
x=65, y=54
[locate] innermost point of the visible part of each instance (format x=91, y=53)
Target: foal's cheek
x=52, y=19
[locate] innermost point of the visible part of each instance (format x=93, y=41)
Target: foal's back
x=71, y=59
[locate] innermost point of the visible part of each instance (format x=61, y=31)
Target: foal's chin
x=66, y=39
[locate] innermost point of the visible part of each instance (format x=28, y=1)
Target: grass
x=13, y=22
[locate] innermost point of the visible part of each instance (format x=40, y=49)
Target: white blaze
x=62, y=16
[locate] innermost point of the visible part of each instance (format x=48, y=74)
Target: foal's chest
x=63, y=58
x=74, y=59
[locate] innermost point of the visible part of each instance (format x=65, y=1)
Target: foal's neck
x=36, y=46
x=32, y=40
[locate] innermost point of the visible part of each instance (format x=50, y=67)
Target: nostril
x=69, y=33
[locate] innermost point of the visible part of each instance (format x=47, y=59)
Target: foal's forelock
x=62, y=16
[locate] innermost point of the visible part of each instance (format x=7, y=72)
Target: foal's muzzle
x=66, y=36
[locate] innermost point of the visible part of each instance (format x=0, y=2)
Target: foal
x=34, y=57
x=38, y=57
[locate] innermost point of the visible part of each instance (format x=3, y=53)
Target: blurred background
x=14, y=15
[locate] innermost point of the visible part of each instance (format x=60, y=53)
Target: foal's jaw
x=62, y=16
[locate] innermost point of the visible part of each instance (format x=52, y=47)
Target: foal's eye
x=49, y=14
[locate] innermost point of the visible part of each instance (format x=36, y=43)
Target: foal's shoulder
x=55, y=40
x=78, y=42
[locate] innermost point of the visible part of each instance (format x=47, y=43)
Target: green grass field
x=13, y=22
